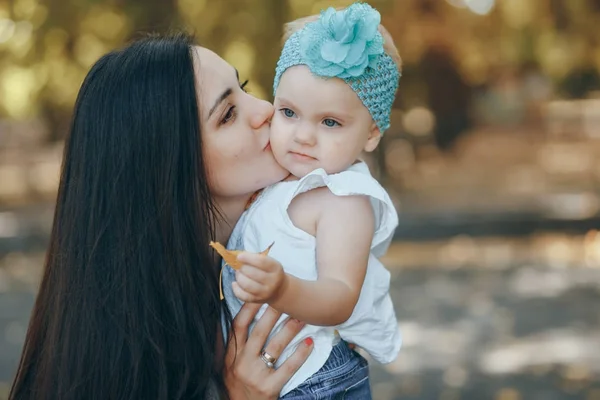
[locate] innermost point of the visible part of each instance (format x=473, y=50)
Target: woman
x=165, y=151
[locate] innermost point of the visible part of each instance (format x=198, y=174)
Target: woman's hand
x=247, y=376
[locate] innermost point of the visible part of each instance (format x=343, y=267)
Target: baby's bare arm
x=344, y=231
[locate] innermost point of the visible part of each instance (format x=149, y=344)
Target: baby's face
x=319, y=123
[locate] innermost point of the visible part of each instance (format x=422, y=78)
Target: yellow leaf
x=230, y=258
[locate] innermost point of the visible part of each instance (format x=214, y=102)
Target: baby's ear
x=374, y=138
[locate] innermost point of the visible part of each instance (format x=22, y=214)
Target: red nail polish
x=308, y=341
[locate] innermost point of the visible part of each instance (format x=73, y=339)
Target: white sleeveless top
x=372, y=325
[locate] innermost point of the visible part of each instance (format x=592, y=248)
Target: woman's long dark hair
x=128, y=307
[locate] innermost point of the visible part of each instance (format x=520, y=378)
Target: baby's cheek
x=336, y=147
x=279, y=153
x=277, y=128
x=338, y=156
x=277, y=141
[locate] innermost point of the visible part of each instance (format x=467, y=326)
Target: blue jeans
x=345, y=375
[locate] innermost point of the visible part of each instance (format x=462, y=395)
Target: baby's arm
x=344, y=231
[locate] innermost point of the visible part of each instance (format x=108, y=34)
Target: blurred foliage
x=47, y=46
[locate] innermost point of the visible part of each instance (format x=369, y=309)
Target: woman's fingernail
x=308, y=341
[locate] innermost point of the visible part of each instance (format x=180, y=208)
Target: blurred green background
x=493, y=159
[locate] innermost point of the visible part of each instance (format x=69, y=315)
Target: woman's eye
x=243, y=85
x=288, y=113
x=229, y=115
x=330, y=123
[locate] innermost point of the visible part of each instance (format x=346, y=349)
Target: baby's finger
x=247, y=284
x=259, y=261
x=254, y=273
x=241, y=293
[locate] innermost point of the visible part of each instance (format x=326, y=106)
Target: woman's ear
x=374, y=138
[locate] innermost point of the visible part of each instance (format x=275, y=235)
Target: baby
x=330, y=220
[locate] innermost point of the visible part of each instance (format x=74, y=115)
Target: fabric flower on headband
x=343, y=43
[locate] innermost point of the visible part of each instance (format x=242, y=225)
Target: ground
x=505, y=332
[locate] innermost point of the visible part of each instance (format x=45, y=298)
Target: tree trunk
x=268, y=42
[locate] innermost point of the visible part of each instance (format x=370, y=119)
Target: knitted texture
x=347, y=45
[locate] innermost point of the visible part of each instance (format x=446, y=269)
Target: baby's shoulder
x=306, y=205
x=322, y=199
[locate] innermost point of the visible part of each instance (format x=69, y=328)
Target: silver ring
x=268, y=359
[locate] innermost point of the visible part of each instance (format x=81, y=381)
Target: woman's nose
x=262, y=115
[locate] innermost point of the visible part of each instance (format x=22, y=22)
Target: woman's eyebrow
x=223, y=95
x=219, y=100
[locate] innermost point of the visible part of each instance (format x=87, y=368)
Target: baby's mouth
x=302, y=155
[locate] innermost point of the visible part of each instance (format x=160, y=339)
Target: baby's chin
x=300, y=171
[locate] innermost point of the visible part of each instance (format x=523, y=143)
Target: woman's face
x=235, y=130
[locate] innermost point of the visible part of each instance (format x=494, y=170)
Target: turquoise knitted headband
x=347, y=44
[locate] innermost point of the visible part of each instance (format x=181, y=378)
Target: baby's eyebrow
x=282, y=100
x=338, y=114
x=323, y=114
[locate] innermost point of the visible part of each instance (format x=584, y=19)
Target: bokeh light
x=492, y=160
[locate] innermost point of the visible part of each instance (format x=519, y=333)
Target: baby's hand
x=260, y=280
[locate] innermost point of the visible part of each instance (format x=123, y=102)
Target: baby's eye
x=330, y=123
x=288, y=113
